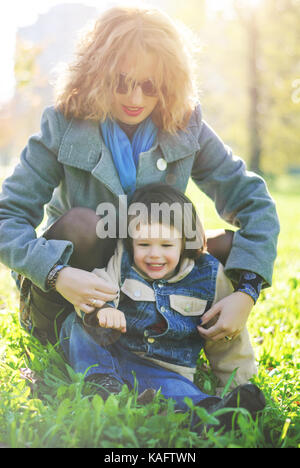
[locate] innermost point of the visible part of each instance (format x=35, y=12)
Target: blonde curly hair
x=86, y=87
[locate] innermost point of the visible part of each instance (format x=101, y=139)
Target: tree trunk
x=253, y=119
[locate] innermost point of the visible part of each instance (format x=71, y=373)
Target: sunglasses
x=147, y=86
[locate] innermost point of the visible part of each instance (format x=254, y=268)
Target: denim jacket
x=67, y=164
x=179, y=302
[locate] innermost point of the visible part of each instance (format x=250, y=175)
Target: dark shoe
x=247, y=396
x=146, y=396
x=104, y=385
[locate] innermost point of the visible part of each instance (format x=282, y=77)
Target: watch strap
x=53, y=274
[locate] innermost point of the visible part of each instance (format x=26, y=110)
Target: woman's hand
x=231, y=313
x=112, y=318
x=84, y=289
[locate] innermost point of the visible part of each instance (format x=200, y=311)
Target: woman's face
x=136, y=106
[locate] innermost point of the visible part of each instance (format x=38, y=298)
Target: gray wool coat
x=67, y=164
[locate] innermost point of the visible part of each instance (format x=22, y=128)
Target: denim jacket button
x=163, y=309
x=161, y=164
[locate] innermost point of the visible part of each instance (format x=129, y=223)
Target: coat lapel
x=83, y=147
x=177, y=146
x=105, y=171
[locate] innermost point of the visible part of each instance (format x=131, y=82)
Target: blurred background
x=248, y=71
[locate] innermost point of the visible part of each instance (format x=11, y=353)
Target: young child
x=166, y=282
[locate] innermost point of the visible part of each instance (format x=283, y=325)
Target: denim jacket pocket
x=137, y=291
x=189, y=306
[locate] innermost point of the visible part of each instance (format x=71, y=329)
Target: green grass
x=53, y=408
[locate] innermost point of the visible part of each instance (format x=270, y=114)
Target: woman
x=126, y=114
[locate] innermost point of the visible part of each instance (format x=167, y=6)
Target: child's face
x=157, y=250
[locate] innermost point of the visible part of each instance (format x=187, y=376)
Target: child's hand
x=112, y=318
x=231, y=313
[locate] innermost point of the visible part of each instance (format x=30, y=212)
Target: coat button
x=161, y=164
x=151, y=340
x=163, y=309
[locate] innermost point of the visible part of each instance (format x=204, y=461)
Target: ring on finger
x=93, y=302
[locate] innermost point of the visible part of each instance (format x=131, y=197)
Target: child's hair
x=86, y=87
x=164, y=204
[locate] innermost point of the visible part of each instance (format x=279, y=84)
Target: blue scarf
x=126, y=153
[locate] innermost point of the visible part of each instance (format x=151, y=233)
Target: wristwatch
x=250, y=283
x=53, y=274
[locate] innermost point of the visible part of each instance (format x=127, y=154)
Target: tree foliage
x=248, y=76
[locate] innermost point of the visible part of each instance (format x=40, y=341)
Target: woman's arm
x=241, y=199
x=22, y=201
x=102, y=284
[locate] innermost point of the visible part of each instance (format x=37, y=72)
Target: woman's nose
x=136, y=96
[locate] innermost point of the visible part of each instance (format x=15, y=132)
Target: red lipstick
x=132, y=111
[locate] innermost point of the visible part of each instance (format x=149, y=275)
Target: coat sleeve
x=241, y=198
x=24, y=195
x=237, y=355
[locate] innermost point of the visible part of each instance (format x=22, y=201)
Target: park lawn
x=43, y=403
